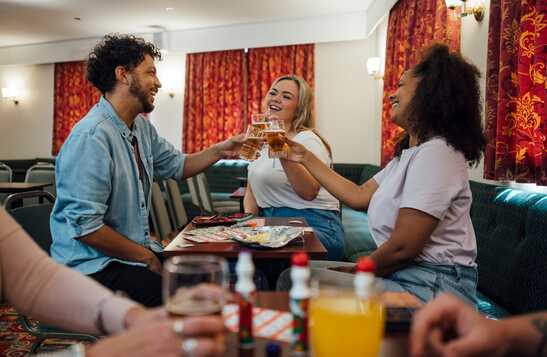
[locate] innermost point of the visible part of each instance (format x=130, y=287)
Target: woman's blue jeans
x=326, y=225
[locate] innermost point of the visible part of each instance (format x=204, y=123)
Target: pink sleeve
x=35, y=285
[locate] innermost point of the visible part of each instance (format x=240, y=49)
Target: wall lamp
x=477, y=10
x=373, y=67
x=11, y=93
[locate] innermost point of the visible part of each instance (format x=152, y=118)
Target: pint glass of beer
x=253, y=143
x=195, y=285
x=253, y=137
x=275, y=136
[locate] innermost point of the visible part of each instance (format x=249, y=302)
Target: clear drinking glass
x=275, y=137
x=254, y=137
x=195, y=285
x=359, y=322
x=252, y=145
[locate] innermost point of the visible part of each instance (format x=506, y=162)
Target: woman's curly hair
x=447, y=103
x=113, y=51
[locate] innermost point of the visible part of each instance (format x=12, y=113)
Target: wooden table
x=240, y=195
x=311, y=245
x=393, y=344
x=15, y=187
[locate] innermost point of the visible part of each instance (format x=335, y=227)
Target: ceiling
x=24, y=22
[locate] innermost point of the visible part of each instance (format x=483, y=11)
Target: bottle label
x=299, y=309
x=246, y=319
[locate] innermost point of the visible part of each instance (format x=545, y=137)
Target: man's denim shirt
x=98, y=183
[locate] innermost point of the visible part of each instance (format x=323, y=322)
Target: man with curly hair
x=106, y=167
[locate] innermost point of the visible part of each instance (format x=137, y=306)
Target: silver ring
x=178, y=328
x=189, y=345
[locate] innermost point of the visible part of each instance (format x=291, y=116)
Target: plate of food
x=266, y=237
x=220, y=220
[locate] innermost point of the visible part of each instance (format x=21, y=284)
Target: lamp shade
x=452, y=4
x=10, y=93
x=373, y=65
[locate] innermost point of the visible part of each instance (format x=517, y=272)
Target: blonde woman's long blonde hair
x=304, y=117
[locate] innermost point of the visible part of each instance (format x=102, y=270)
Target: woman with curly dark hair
x=418, y=205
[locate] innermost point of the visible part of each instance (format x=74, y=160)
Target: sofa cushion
x=529, y=282
x=368, y=172
x=350, y=171
x=502, y=243
x=222, y=175
x=358, y=240
x=482, y=208
x=489, y=308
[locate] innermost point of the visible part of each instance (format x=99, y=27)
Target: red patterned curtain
x=73, y=97
x=515, y=92
x=412, y=26
x=213, y=99
x=267, y=63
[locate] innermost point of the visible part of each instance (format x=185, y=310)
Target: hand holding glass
x=195, y=285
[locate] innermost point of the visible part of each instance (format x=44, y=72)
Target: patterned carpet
x=14, y=341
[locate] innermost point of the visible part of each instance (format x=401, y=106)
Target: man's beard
x=136, y=89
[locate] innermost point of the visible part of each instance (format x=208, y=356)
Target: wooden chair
x=160, y=217
x=175, y=204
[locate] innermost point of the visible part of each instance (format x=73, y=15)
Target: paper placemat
x=267, y=323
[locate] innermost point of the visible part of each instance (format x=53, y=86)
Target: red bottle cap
x=365, y=265
x=300, y=259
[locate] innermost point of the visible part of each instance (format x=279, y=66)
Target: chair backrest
x=175, y=204
x=193, y=189
x=42, y=172
x=34, y=218
x=6, y=175
x=204, y=193
x=160, y=216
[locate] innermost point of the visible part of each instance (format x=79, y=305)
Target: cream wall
x=167, y=117
x=346, y=100
x=474, y=46
x=26, y=129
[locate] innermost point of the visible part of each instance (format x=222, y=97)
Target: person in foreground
x=448, y=327
x=418, y=205
x=282, y=188
x=56, y=295
x=105, y=170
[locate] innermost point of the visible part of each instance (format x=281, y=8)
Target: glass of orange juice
x=341, y=324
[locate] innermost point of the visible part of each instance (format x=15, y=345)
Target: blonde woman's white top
x=272, y=188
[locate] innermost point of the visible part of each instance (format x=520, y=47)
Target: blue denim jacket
x=98, y=183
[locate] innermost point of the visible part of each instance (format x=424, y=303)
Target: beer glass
x=275, y=136
x=253, y=137
x=195, y=285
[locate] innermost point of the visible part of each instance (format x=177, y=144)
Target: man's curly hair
x=447, y=103
x=113, y=51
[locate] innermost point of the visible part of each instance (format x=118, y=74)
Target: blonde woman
x=282, y=188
